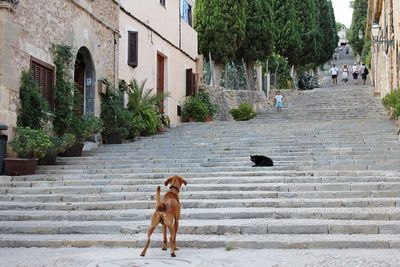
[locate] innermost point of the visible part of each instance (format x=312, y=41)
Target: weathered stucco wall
x=32, y=28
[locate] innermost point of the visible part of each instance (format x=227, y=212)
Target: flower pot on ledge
x=17, y=166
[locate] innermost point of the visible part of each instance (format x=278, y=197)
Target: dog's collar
x=174, y=187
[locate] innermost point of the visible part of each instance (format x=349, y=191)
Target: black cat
x=261, y=161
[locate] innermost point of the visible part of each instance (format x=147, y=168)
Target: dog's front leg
x=164, y=247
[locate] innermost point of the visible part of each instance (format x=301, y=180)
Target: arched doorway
x=85, y=78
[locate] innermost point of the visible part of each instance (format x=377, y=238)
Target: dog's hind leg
x=172, y=239
x=164, y=246
x=155, y=219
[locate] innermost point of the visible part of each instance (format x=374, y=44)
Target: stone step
x=270, y=187
x=197, y=241
x=272, y=202
x=329, y=213
x=260, y=226
x=101, y=180
x=200, y=198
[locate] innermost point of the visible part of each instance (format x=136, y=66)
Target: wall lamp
x=379, y=38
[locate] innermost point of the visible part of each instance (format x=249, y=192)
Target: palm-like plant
x=145, y=105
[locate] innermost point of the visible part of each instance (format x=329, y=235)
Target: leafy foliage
x=61, y=144
x=194, y=108
x=220, y=25
x=113, y=114
x=287, y=35
x=392, y=102
x=244, y=112
x=34, y=111
x=31, y=143
x=211, y=107
x=279, y=65
x=145, y=107
x=360, y=10
x=307, y=82
x=66, y=91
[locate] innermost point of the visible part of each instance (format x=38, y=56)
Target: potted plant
x=60, y=145
x=83, y=128
x=244, y=112
x=212, y=108
x=30, y=145
x=194, y=109
x=114, y=117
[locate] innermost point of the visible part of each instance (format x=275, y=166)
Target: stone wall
x=32, y=26
x=228, y=99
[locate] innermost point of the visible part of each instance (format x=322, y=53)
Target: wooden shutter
x=189, y=82
x=132, y=49
x=43, y=75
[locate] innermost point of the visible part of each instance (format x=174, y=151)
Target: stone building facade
x=28, y=28
x=158, y=44
x=385, y=57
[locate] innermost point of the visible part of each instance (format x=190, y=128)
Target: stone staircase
x=335, y=183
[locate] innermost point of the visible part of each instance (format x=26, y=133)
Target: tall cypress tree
x=360, y=10
x=258, y=42
x=307, y=18
x=287, y=36
x=327, y=34
x=220, y=25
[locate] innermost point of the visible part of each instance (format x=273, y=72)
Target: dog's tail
x=159, y=205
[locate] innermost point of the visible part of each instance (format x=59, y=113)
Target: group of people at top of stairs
x=356, y=71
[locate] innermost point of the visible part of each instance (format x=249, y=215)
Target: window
x=43, y=74
x=162, y=2
x=186, y=11
x=190, y=82
x=132, y=49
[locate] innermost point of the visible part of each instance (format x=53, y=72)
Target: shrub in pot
x=114, y=117
x=244, y=112
x=60, y=145
x=30, y=145
x=83, y=129
x=212, y=108
x=194, y=109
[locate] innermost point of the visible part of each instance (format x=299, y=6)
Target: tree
x=307, y=25
x=258, y=42
x=327, y=38
x=220, y=25
x=358, y=24
x=287, y=36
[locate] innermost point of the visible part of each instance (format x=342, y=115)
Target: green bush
x=113, y=114
x=244, y=112
x=212, y=108
x=146, y=106
x=31, y=143
x=195, y=108
x=392, y=102
x=86, y=126
x=34, y=111
x=61, y=144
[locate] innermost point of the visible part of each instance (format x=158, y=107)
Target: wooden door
x=79, y=78
x=160, y=79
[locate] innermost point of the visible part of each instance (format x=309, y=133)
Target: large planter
x=48, y=160
x=113, y=138
x=16, y=166
x=73, y=151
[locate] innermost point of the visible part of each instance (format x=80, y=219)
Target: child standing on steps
x=278, y=101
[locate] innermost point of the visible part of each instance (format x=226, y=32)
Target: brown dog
x=167, y=213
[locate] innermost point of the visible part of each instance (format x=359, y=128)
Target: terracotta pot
x=209, y=119
x=113, y=138
x=16, y=166
x=73, y=151
x=48, y=160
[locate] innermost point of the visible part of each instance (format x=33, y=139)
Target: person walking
x=364, y=73
x=345, y=73
x=355, y=73
x=278, y=100
x=334, y=72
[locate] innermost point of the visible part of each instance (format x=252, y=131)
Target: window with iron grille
x=43, y=74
